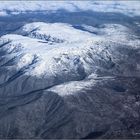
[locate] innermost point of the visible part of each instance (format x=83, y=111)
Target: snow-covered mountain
x=61, y=53
x=69, y=74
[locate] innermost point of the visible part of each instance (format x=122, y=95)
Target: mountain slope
x=62, y=80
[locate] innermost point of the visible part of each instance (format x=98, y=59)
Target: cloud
x=130, y=8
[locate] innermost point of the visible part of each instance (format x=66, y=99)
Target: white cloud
x=130, y=8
